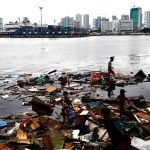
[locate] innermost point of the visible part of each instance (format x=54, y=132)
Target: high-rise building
x=67, y=22
x=97, y=23
x=147, y=19
x=1, y=23
x=94, y=24
x=115, y=25
x=106, y=26
x=136, y=16
x=104, y=19
x=86, y=21
x=125, y=24
x=114, y=18
x=124, y=17
x=79, y=19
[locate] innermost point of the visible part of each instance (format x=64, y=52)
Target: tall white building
x=86, y=21
x=1, y=23
x=79, y=19
x=125, y=24
x=115, y=25
x=67, y=22
x=124, y=17
x=114, y=18
x=106, y=26
x=147, y=19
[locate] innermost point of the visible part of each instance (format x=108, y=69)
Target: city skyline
x=55, y=10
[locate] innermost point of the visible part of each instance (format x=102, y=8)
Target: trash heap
x=44, y=128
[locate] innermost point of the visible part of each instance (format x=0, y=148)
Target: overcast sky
x=10, y=10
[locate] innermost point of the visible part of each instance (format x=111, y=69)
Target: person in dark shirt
x=66, y=106
x=118, y=137
x=63, y=79
x=110, y=68
x=111, y=85
x=122, y=98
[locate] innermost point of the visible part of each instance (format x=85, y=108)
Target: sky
x=11, y=10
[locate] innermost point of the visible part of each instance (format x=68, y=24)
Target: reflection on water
x=75, y=54
x=134, y=62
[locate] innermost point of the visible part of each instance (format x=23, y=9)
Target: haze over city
x=55, y=10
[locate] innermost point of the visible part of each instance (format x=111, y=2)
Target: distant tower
x=86, y=21
x=147, y=19
x=124, y=17
x=1, y=23
x=79, y=19
x=136, y=16
x=114, y=18
x=97, y=23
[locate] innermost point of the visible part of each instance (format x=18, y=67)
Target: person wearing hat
x=122, y=98
x=110, y=68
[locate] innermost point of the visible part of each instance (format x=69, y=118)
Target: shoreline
x=9, y=106
x=70, y=36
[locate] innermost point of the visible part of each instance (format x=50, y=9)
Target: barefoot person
x=122, y=99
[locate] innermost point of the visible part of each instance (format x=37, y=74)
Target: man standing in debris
x=122, y=98
x=67, y=105
x=110, y=86
x=110, y=68
x=119, y=139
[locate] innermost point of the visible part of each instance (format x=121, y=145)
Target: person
x=119, y=139
x=122, y=99
x=63, y=79
x=66, y=106
x=110, y=68
x=111, y=85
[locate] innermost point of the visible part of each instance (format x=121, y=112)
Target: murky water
x=74, y=54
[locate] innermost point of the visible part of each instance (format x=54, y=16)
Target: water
x=74, y=54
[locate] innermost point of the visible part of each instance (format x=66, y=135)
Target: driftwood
x=40, y=107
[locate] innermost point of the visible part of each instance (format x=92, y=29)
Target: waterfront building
x=124, y=17
x=67, y=22
x=104, y=19
x=114, y=18
x=106, y=26
x=125, y=24
x=77, y=24
x=147, y=19
x=79, y=20
x=11, y=26
x=115, y=25
x=86, y=21
x=1, y=23
x=94, y=24
x=97, y=23
x=136, y=16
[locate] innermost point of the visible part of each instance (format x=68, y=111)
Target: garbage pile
x=69, y=110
